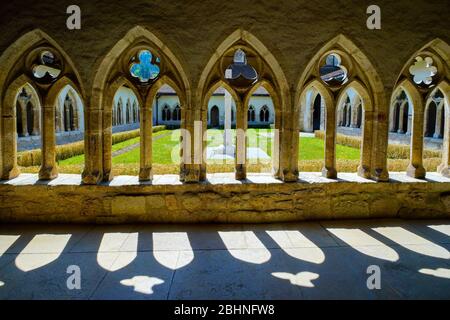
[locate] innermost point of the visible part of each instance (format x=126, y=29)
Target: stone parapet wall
x=260, y=199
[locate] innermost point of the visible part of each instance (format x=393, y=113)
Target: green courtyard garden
x=166, y=149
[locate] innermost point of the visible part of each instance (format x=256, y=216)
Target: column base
x=9, y=174
x=444, y=169
x=364, y=172
x=193, y=175
x=107, y=176
x=91, y=178
x=146, y=174
x=329, y=173
x=289, y=176
x=240, y=172
x=48, y=173
x=416, y=172
x=202, y=173
x=182, y=172
x=380, y=175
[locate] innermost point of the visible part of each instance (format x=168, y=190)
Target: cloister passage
x=264, y=262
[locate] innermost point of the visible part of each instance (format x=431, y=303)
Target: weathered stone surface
x=220, y=202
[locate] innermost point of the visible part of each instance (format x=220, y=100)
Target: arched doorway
x=316, y=112
x=431, y=120
x=214, y=117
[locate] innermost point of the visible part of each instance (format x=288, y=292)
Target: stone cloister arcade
x=333, y=76
x=367, y=109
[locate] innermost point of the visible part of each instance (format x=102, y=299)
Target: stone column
x=408, y=130
x=106, y=145
x=339, y=117
x=322, y=114
x=194, y=128
x=36, y=121
x=193, y=146
x=23, y=101
x=329, y=169
x=228, y=144
x=67, y=119
x=349, y=115
x=48, y=169
x=415, y=168
x=8, y=135
x=93, y=171
x=364, y=168
x=438, y=127
x=309, y=114
x=58, y=118
x=354, y=116
x=400, y=118
x=444, y=167
x=145, y=171
x=392, y=110
x=241, y=141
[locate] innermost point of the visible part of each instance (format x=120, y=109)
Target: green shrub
x=394, y=165
x=33, y=157
x=394, y=151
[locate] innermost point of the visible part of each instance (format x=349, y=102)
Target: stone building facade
x=167, y=111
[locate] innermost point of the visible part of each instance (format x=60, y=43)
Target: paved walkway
x=137, y=145
x=329, y=259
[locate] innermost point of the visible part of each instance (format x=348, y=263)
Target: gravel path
x=136, y=145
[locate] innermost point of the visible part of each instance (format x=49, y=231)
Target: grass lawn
x=167, y=148
x=80, y=158
x=314, y=149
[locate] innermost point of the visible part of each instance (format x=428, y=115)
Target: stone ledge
x=260, y=198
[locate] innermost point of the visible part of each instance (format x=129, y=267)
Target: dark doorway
x=397, y=117
x=19, y=120
x=214, y=117
x=405, y=118
x=431, y=121
x=316, y=112
x=30, y=118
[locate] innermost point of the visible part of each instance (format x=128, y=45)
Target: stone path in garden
x=136, y=145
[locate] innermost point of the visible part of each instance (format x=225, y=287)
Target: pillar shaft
x=48, y=169
x=10, y=169
x=36, y=121
x=241, y=141
x=93, y=147
x=438, y=126
x=401, y=115
x=415, y=168
x=145, y=171
x=329, y=169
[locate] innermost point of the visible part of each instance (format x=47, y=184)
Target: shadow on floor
x=313, y=260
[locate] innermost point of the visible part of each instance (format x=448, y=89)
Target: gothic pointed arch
x=340, y=54
x=427, y=69
x=38, y=57
x=268, y=70
x=141, y=58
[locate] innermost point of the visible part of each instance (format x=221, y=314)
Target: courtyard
x=166, y=154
